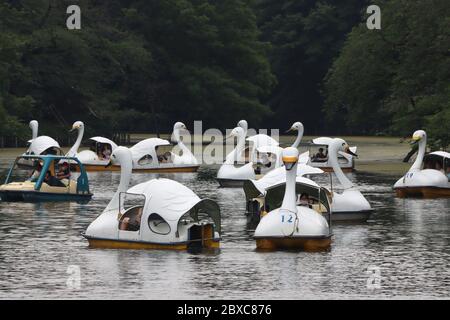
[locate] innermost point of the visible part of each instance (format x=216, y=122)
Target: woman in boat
x=106, y=153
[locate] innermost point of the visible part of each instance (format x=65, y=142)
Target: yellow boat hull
x=294, y=243
x=122, y=244
x=423, y=192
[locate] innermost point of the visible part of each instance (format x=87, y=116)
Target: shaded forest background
x=140, y=65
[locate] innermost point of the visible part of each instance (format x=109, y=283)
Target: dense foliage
x=397, y=79
x=139, y=65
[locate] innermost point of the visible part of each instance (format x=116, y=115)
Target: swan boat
x=349, y=205
x=292, y=226
x=429, y=176
x=256, y=191
x=39, y=189
x=146, y=157
x=248, y=162
x=92, y=159
x=170, y=215
x=234, y=171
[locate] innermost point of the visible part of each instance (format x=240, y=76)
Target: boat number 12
x=287, y=219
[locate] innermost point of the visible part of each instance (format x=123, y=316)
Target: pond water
x=403, y=251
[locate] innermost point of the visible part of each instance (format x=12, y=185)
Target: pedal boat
x=423, y=180
x=293, y=227
x=38, y=190
x=162, y=214
x=145, y=155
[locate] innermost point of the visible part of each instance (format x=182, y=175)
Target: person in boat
x=438, y=166
x=63, y=171
x=133, y=222
x=36, y=172
x=304, y=200
x=100, y=151
x=321, y=156
x=106, y=153
x=52, y=181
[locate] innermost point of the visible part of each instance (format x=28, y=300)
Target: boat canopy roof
x=278, y=175
x=325, y=141
x=104, y=140
x=260, y=140
x=147, y=147
x=172, y=200
x=439, y=156
x=273, y=194
x=42, y=143
x=275, y=149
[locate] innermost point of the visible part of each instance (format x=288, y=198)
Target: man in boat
x=52, y=180
x=321, y=156
x=304, y=200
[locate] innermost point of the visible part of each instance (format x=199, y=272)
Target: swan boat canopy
x=345, y=160
x=39, y=145
x=288, y=225
x=51, y=180
x=169, y=216
x=429, y=176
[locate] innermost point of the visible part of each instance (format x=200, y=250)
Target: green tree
x=395, y=80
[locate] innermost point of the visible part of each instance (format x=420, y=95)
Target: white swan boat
x=92, y=159
x=232, y=172
x=429, y=176
x=350, y=205
x=171, y=216
x=146, y=156
x=292, y=226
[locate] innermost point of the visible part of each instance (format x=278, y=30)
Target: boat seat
x=72, y=188
x=319, y=208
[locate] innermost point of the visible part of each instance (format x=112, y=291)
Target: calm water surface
x=406, y=242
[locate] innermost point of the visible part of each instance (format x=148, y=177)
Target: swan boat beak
x=347, y=150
